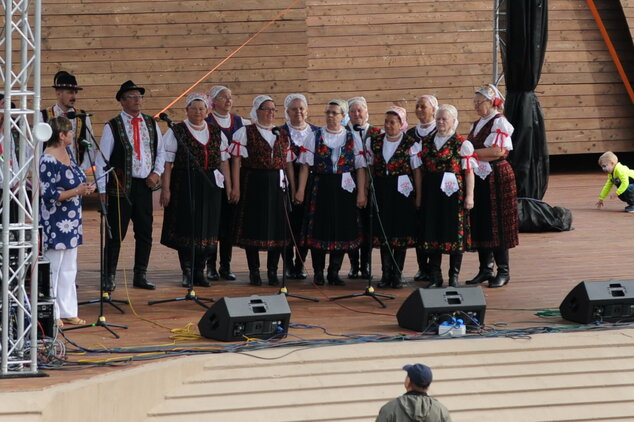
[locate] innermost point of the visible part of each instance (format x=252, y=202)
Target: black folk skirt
x=396, y=222
x=332, y=220
x=260, y=218
x=195, y=220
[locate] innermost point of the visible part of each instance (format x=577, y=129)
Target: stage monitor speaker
x=591, y=301
x=427, y=308
x=236, y=318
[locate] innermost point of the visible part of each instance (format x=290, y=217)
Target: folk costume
x=228, y=124
x=419, y=132
x=196, y=186
x=332, y=223
x=396, y=224
x=82, y=127
x=494, y=219
x=444, y=220
x=260, y=222
x=133, y=147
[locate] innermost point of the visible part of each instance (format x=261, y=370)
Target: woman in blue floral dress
x=63, y=184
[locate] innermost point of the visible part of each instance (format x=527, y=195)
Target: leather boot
x=299, y=270
x=421, y=259
x=336, y=260
x=486, y=267
x=435, y=274
x=112, y=258
x=140, y=281
x=253, y=261
x=212, y=274
x=455, y=262
x=226, y=249
x=319, y=262
x=186, y=267
x=107, y=281
x=502, y=261
x=397, y=270
x=353, y=255
x=386, y=268
x=365, y=261
x=272, y=260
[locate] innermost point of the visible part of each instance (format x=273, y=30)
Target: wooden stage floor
x=544, y=268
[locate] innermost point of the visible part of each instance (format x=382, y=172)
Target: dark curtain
x=526, y=35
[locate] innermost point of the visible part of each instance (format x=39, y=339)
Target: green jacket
x=622, y=174
x=414, y=406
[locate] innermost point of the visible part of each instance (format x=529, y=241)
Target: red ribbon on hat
x=137, y=135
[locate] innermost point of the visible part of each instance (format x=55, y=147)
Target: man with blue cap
x=415, y=404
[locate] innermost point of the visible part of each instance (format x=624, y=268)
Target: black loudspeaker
x=591, y=301
x=427, y=308
x=236, y=318
x=45, y=319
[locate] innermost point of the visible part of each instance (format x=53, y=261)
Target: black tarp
x=526, y=37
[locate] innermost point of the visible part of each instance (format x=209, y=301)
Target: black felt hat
x=129, y=86
x=64, y=80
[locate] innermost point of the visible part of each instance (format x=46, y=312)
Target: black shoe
x=335, y=280
x=212, y=274
x=290, y=274
x=436, y=280
x=397, y=283
x=225, y=273
x=481, y=277
x=629, y=208
x=254, y=278
x=353, y=273
x=502, y=278
x=272, y=276
x=421, y=275
x=140, y=282
x=201, y=280
x=365, y=273
x=109, y=284
x=186, y=279
x=453, y=281
x=300, y=272
x=385, y=281
x=319, y=278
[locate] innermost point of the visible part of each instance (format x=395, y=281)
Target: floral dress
x=61, y=221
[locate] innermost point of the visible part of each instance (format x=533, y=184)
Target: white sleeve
x=307, y=151
x=468, y=161
x=359, y=153
x=500, y=135
x=224, y=147
x=106, y=145
x=159, y=162
x=415, y=160
x=171, y=146
x=238, y=147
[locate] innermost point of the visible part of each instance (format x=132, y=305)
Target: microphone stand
x=191, y=294
x=369, y=290
x=286, y=202
x=104, y=297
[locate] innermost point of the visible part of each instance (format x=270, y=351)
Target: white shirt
x=501, y=131
x=389, y=148
x=141, y=166
x=225, y=121
x=202, y=136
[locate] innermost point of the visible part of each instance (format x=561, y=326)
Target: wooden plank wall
x=335, y=48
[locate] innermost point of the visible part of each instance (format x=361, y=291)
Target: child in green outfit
x=621, y=177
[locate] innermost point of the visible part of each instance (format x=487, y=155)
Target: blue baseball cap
x=419, y=374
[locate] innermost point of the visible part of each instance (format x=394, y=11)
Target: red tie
x=137, y=136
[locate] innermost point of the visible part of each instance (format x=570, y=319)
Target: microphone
x=163, y=116
x=73, y=114
x=86, y=143
x=276, y=130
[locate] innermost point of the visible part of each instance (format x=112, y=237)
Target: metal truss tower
x=20, y=72
x=499, y=39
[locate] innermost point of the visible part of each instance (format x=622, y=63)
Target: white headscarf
x=432, y=100
x=257, y=102
x=215, y=91
x=196, y=96
x=491, y=92
x=364, y=104
x=289, y=99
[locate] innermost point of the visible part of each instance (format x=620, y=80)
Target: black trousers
x=120, y=212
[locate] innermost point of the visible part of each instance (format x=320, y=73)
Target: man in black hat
x=132, y=146
x=66, y=89
x=415, y=404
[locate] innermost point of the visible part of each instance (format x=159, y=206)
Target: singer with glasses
x=395, y=161
x=337, y=191
x=132, y=145
x=66, y=90
x=359, y=118
x=260, y=157
x=63, y=183
x=229, y=123
x=193, y=190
